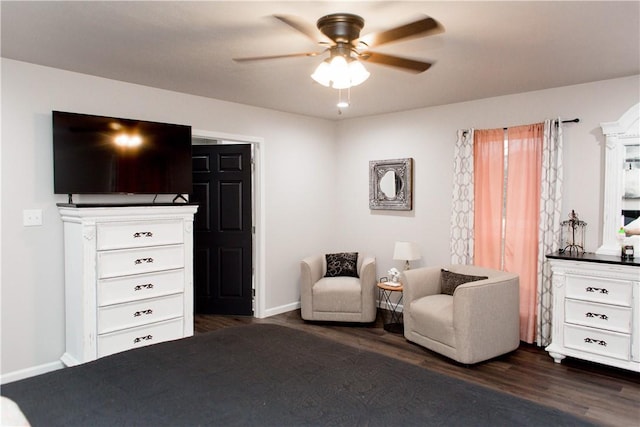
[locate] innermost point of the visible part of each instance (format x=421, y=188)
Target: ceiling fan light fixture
x=322, y=74
x=337, y=73
x=357, y=72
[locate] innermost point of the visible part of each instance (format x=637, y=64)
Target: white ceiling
x=487, y=49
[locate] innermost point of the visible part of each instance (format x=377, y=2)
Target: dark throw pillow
x=449, y=280
x=342, y=264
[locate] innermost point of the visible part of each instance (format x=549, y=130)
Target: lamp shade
x=357, y=72
x=406, y=251
x=340, y=72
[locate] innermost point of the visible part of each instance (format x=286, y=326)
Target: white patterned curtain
x=549, y=229
x=462, y=210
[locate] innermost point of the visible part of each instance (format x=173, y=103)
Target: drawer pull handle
x=595, y=341
x=601, y=290
x=140, y=313
x=142, y=234
x=601, y=316
x=145, y=338
x=141, y=287
x=144, y=260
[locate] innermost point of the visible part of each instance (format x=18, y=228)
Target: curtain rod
x=576, y=120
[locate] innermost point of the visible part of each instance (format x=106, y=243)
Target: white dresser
x=596, y=310
x=128, y=277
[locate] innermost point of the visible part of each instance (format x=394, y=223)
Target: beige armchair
x=342, y=298
x=479, y=321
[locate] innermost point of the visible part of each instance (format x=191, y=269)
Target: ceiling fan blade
x=287, y=55
x=396, y=61
x=304, y=27
x=422, y=27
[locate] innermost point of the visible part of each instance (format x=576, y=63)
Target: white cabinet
x=596, y=310
x=128, y=277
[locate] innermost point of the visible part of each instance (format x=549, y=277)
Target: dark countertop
x=592, y=257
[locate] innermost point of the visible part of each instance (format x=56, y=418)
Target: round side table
x=394, y=323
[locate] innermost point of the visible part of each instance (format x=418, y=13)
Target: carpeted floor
x=265, y=375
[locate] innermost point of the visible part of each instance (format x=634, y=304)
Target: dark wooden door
x=223, y=229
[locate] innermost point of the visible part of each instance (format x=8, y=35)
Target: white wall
x=315, y=178
x=298, y=178
x=428, y=135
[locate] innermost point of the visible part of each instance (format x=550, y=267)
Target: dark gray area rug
x=265, y=375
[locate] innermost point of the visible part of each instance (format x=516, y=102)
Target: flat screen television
x=106, y=155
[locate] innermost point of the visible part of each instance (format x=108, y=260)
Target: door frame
x=258, y=211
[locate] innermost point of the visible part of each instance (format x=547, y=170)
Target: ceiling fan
x=340, y=33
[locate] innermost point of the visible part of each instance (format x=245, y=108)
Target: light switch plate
x=32, y=217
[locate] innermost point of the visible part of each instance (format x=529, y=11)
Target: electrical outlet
x=32, y=217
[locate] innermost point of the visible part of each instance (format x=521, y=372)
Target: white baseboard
x=30, y=372
x=282, y=309
x=296, y=305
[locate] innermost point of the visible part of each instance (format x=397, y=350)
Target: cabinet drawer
x=131, y=288
x=607, y=291
x=127, y=315
x=135, y=261
x=610, y=317
x=139, y=337
x=611, y=344
x=135, y=234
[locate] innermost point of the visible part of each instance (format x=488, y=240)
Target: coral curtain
x=463, y=200
x=507, y=210
x=488, y=164
x=549, y=225
x=521, y=218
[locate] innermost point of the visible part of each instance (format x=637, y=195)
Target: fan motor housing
x=341, y=27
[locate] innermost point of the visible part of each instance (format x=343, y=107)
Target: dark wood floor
x=601, y=394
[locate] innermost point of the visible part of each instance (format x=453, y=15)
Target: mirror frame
x=617, y=134
x=403, y=169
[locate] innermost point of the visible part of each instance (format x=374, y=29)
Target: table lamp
x=406, y=251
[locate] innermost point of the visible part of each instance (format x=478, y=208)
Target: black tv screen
x=101, y=155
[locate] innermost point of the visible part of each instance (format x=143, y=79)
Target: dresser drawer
x=127, y=315
x=596, y=289
x=135, y=234
x=135, y=261
x=610, y=317
x=139, y=337
x=597, y=341
x=131, y=288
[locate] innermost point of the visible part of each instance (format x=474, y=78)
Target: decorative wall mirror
x=621, y=199
x=391, y=184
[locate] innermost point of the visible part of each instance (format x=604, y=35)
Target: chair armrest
x=367, y=272
x=486, y=316
x=310, y=273
x=311, y=267
x=419, y=283
x=368, y=282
